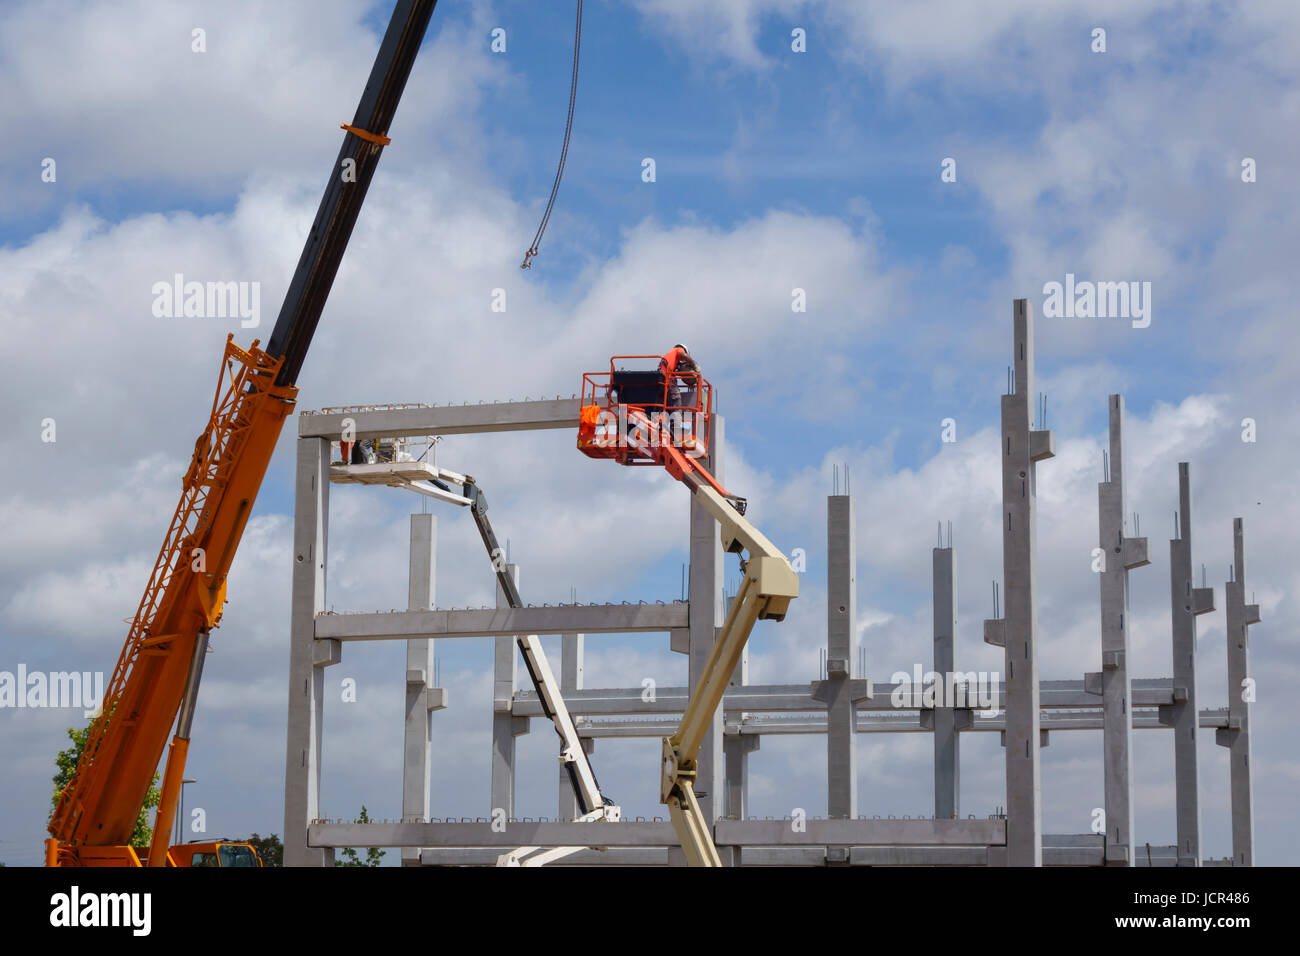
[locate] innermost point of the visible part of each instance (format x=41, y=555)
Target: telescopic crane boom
x=156, y=680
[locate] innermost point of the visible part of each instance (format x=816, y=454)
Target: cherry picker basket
x=618, y=405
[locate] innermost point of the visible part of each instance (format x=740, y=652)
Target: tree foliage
x=373, y=854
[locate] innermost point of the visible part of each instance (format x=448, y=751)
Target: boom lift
x=638, y=417
x=592, y=804
x=157, y=675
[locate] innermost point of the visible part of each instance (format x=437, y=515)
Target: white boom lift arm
x=593, y=806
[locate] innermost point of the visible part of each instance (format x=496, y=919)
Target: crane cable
x=564, y=151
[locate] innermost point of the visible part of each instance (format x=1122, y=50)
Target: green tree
x=373, y=855
x=67, y=761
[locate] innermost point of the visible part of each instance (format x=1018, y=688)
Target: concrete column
x=737, y=748
x=572, y=649
x=1236, y=736
x=706, y=616
x=1186, y=601
x=417, y=736
x=1017, y=630
x=704, y=589
x=947, y=741
x=572, y=658
x=841, y=657
x=307, y=658
x=1120, y=554
x=505, y=726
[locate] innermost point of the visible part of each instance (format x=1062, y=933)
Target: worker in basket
x=678, y=366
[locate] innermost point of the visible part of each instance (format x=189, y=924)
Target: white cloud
x=120, y=97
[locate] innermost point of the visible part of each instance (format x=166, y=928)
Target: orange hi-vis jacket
x=672, y=358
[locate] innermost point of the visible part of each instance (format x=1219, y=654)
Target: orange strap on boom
x=377, y=138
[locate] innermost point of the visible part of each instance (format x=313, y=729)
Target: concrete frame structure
x=840, y=705
x=1119, y=554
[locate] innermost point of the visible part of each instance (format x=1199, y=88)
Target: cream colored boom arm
x=769, y=585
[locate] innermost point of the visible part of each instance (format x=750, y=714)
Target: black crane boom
x=346, y=189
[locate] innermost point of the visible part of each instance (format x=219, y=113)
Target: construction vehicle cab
x=214, y=854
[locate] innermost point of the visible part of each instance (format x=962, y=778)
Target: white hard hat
x=682, y=347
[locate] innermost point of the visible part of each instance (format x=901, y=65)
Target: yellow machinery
x=647, y=417
x=220, y=854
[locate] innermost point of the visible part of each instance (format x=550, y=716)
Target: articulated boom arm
x=157, y=675
x=768, y=588
x=585, y=787
x=592, y=804
x=769, y=585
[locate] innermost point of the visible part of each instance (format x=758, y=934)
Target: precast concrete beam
x=444, y=419
x=815, y=832
x=503, y=621
x=873, y=832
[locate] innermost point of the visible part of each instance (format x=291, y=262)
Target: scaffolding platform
x=417, y=476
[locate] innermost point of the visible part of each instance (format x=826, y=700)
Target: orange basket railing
x=616, y=402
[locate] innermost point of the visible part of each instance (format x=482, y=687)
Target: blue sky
x=775, y=169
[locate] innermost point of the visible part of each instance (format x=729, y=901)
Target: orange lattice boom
x=184, y=597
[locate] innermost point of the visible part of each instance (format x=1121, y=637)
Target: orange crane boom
x=155, y=682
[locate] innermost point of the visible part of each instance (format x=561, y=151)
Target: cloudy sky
x=775, y=170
